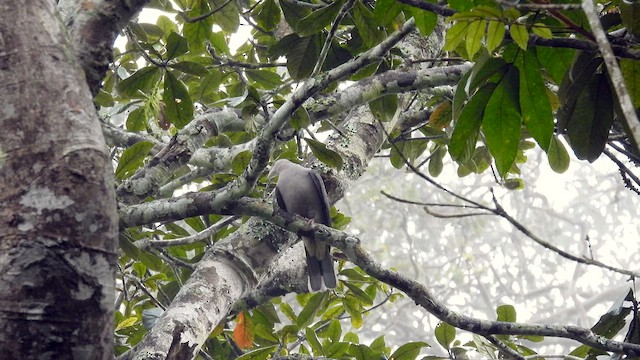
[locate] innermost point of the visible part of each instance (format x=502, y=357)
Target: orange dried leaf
x=243, y=333
x=441, y=116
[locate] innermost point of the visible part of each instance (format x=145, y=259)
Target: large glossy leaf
x=178, y=103
x=228, y=17
x=198, y=33
x=556, y=61
x=143, y=80
x=589, y=124
x=303, y=55
x=132, y=159
x=324, y=154
x=408, y=351
x=309, y=311
x=445, y=334
x=630, y=13
x=367, y=25
x=575, y=80
x=631, y=73
x=176, y=46
x=501, y=122
x=520, y=35
x=319, y=19
x=293, y=12
x=455, y=35
x=190, y=67
x=425, y=20
x=384, y=107
x=386, y=10
x=467, y=127
x=495, y=34
x=534, y=103
x=268, y=15
x=475, y=32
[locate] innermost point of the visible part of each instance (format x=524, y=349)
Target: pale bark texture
x=58, y=211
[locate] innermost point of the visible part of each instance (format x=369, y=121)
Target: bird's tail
x=321, y=272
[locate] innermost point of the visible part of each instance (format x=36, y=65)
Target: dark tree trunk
x=57, y=204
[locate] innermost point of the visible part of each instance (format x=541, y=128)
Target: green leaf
x=268, y=15
x=467, y=127
x=363, y=352
x=506, y=313
x=425, y=20
x=455, y=35
x=210, y=84
x=501, y=122
x=264, y=79
x=143, y=80
x=520, y=35
x=167, y=25
x=303, y=55
x=573, y=85
x=367, y=25
x=364, y=298
x=379, y=345
x=137, y=120
x=475, y=32
x=198, y=33
x=240, y=162
x=259, y=353
x=436, y=164
x=148, y=259
x=495, y=34
x=132, y=159
x=312, y=338
x=542, y=30
x=319, y=19
x=190, y=67
x=351, y=305
x=324, y=154
x=590, y=122
x=384, y=107
x=445, y=334
x=334, y=331
x=176, y=46
x=558, y=156
x=630, y=14
x=309, y=311
x=408, y=351
x=220, y=43
x=228, y=18
x=178, y=103
x=300, y=119
x=555, y=60
x=293, y=13
x=104, y=99
x=631, y=73
x=288, y=312
x=534, y=103
x=486, y=69
x=385, y=11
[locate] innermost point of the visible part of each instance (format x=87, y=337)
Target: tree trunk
x=58, y=213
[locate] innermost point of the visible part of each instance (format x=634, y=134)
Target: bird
x=301, y=191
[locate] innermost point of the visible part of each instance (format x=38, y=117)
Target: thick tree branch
x=93, y=27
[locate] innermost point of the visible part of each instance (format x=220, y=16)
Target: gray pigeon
x=301, y=191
